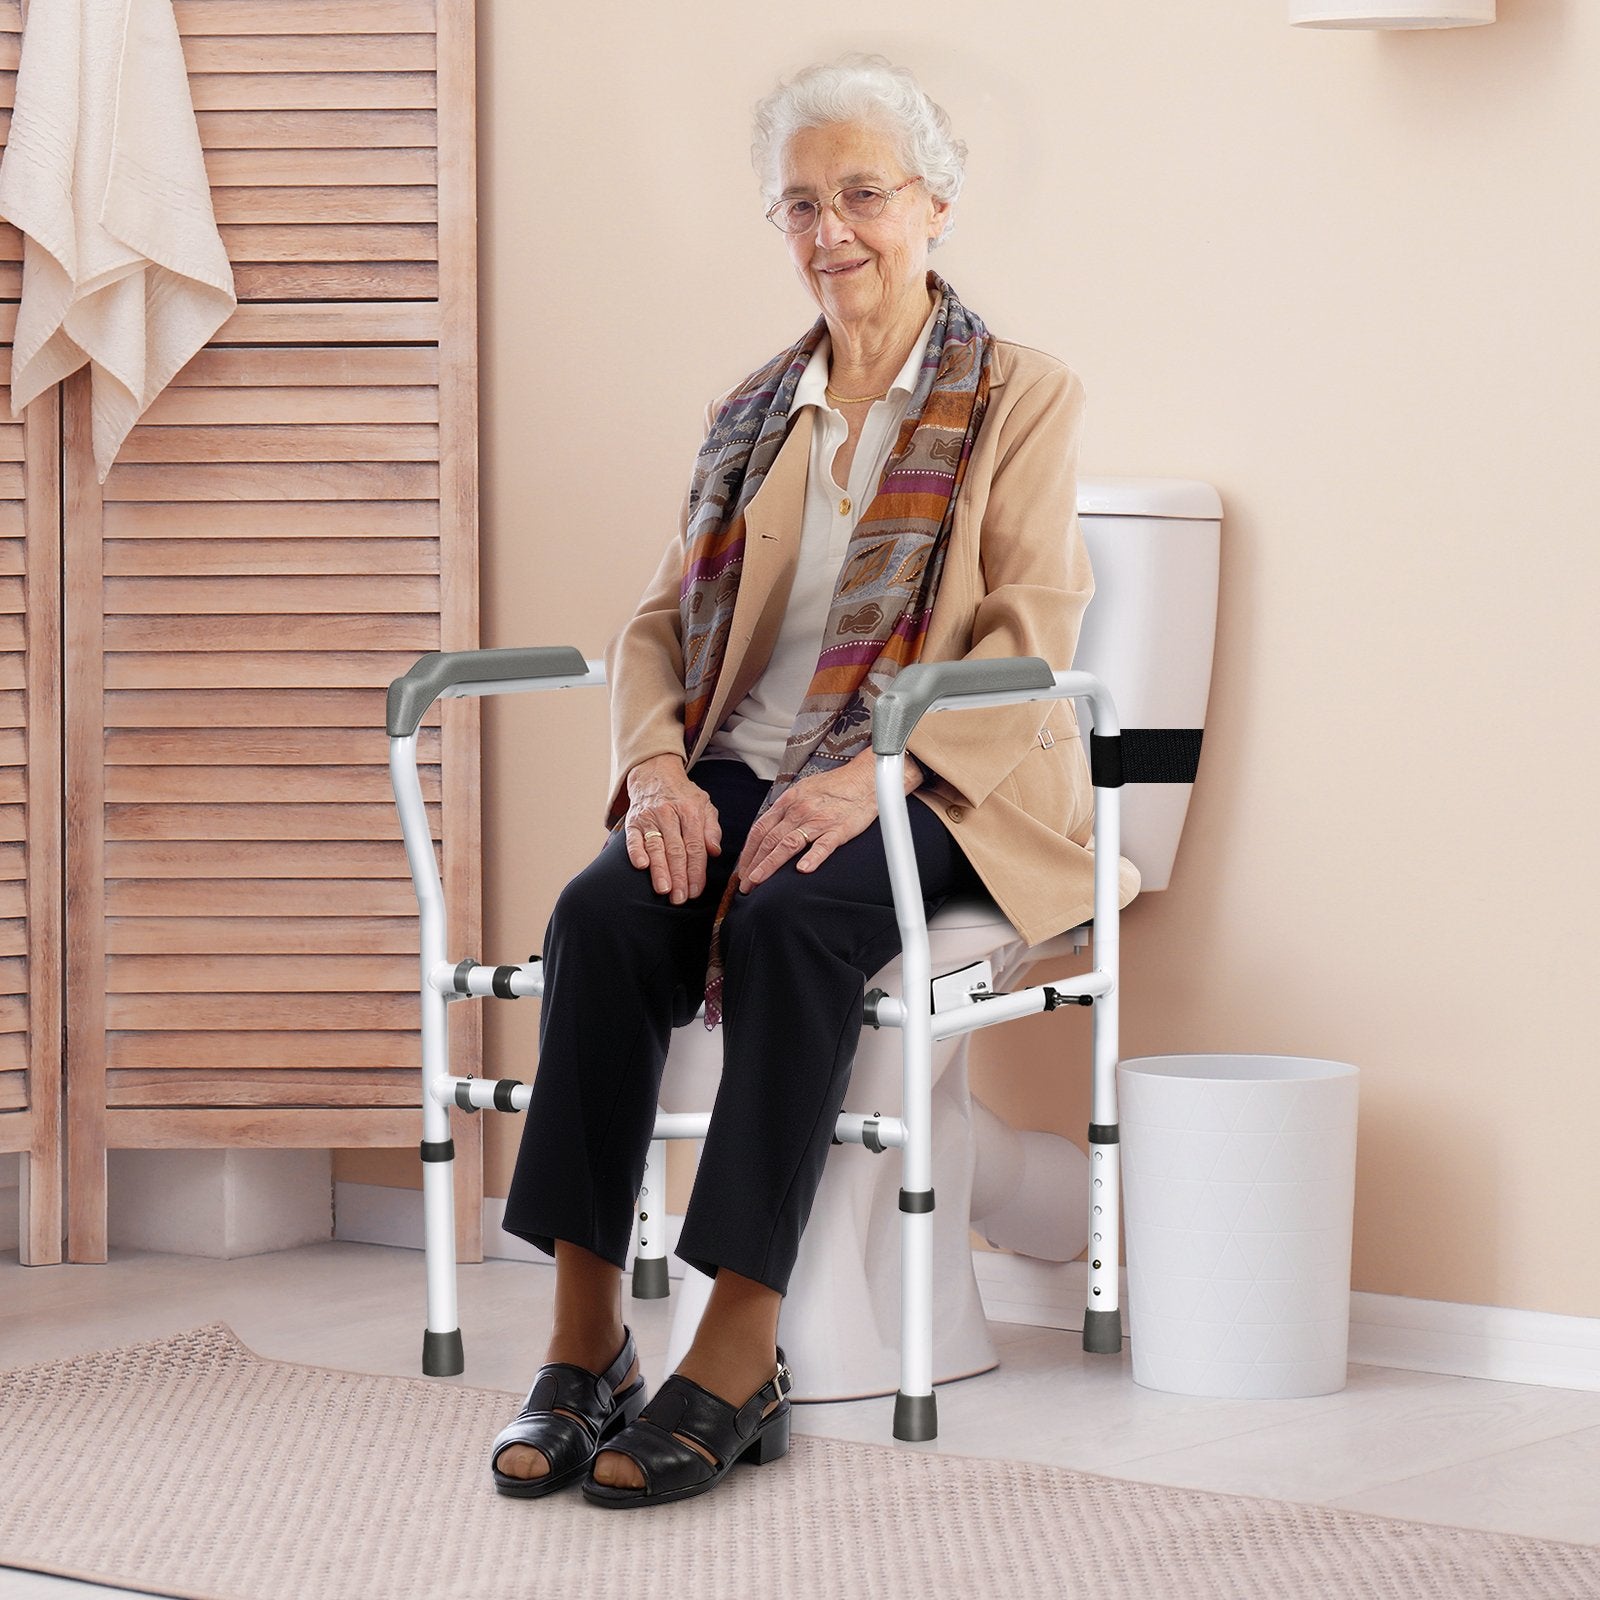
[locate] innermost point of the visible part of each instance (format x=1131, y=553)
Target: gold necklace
x=852, y=399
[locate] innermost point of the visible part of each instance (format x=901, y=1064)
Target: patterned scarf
x=884, y=594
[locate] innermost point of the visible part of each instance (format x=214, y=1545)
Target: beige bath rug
x=193, y=1467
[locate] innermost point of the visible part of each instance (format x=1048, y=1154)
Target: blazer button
x=955, y=813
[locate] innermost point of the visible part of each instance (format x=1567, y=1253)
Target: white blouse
x=756, y=730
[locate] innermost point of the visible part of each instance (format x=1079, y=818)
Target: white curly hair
x=871, y=90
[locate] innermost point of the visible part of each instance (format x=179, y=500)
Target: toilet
x=1147, y=634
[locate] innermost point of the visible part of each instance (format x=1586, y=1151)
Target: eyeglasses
x=857, y=203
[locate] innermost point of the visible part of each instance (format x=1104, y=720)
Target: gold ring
x=806, y=836
x=651, y=833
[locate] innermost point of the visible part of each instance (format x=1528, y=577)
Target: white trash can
x=1238, y=1177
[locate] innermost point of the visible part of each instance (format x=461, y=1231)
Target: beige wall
x=1349, y=278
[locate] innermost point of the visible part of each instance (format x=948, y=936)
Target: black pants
x=624, y=966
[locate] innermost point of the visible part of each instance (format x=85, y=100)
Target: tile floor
x=1518, y=1458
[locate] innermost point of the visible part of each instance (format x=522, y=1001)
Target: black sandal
x=674, y=1470
x=568, y=1444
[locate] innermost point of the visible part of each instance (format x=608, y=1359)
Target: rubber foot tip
x=1102, y=1332
x=916, y=1416
x=650, y=1278
x=441, y=1354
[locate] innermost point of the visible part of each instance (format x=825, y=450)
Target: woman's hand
x=822, y=812
x=670, y=827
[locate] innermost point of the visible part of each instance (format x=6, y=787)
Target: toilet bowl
x=839, y=1323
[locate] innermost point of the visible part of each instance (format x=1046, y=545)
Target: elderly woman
x=896, y=486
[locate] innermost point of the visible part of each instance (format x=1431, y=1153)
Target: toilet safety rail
x=916, y=691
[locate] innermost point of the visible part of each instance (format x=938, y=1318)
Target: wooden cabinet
x=289, y=526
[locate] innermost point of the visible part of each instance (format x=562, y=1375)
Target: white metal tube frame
x=945, y=686
x=917, y=691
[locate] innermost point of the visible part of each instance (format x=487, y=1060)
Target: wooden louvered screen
x=30, y=761
x=291, y=524
x=30, y=800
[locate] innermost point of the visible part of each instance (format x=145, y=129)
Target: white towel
x=122, y=264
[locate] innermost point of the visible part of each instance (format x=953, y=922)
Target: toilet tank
x=1147, y=634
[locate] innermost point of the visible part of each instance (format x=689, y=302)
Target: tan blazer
x=1015, y=583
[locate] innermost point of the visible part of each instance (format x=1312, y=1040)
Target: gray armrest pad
x=900, y=707
x=411, y=695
